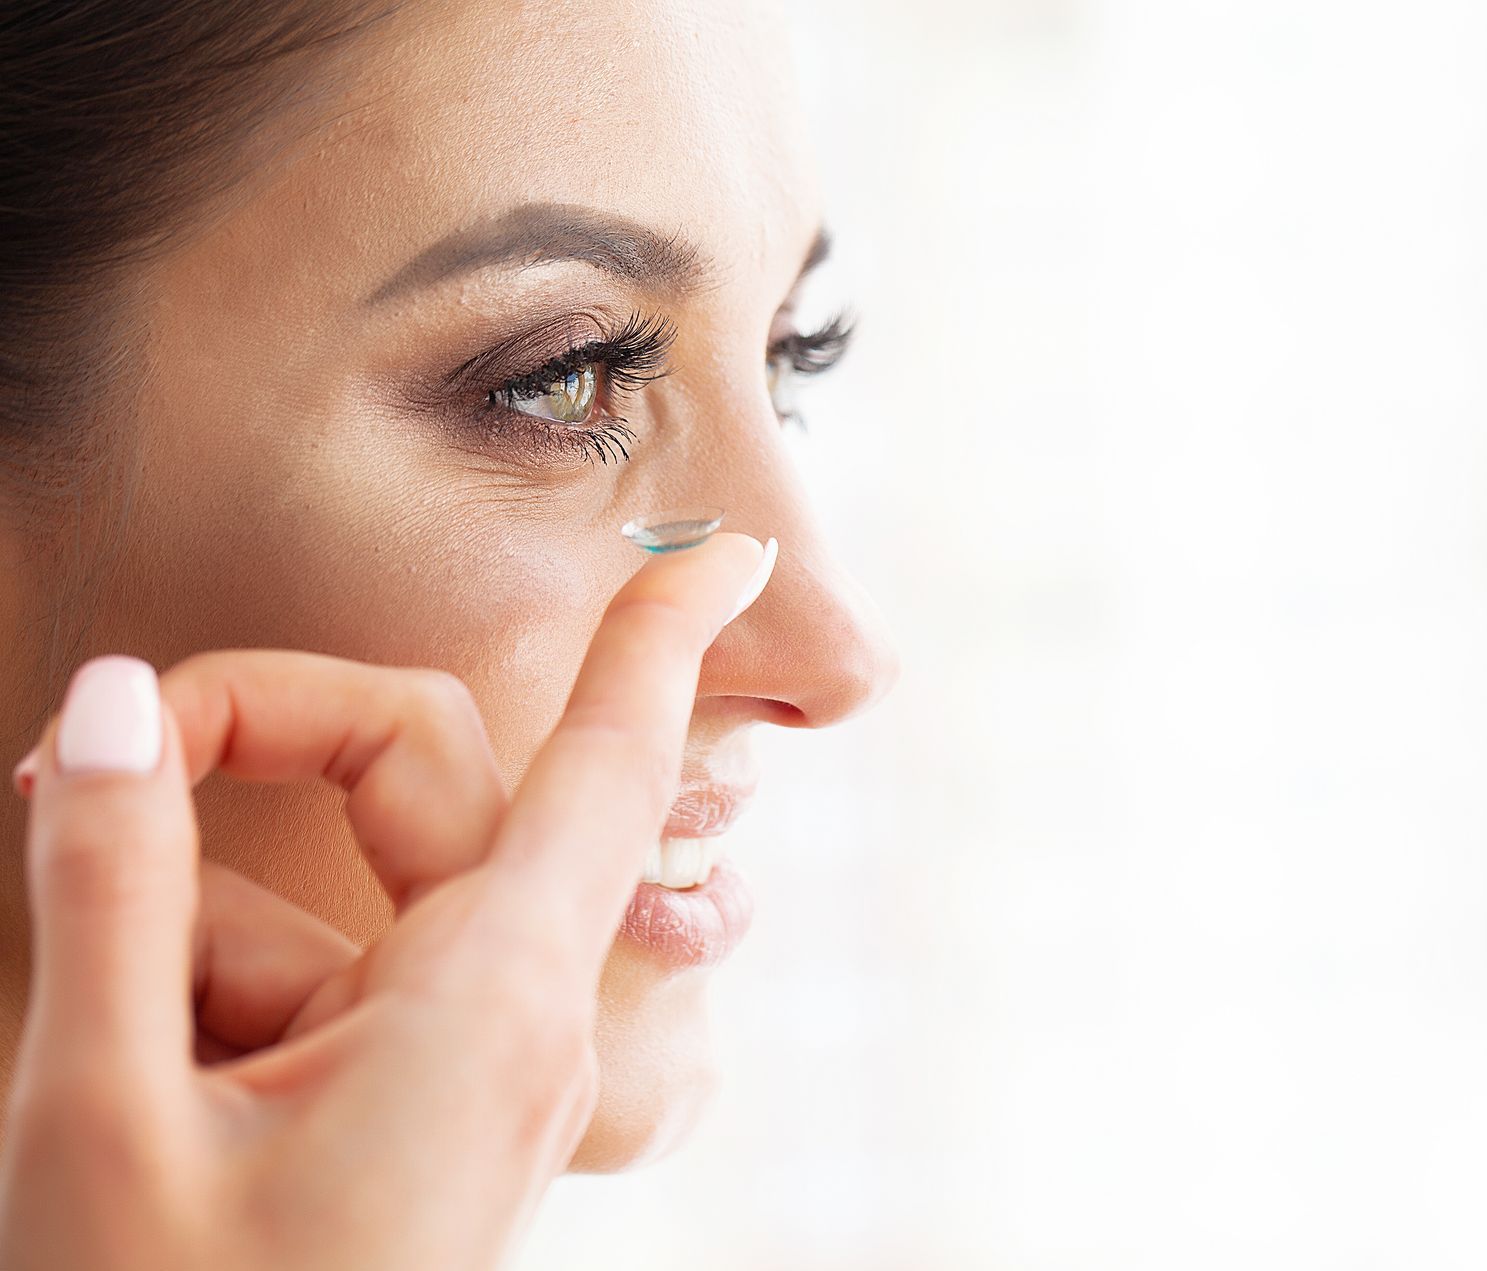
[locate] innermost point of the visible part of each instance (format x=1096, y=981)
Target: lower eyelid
x=539, y=443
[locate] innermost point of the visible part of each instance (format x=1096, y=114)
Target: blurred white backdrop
x=1145, y=925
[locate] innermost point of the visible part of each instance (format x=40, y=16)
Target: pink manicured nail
x=111, y=717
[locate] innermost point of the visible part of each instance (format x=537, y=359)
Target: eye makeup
x=558, y=389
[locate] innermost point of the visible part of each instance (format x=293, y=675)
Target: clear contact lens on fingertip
x=673, y=530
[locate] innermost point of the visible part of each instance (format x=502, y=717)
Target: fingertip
x=721, y=569
x=726, y=544
x=111, y=860
x=111, y=718
x=754, y=551
x=738, y=566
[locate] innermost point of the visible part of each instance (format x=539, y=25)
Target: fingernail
x=23, y=775
x=111, y=717
x=756, y=583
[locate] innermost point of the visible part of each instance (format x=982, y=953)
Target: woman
x=339, y=341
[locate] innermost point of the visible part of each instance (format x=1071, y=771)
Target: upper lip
x=703, y=810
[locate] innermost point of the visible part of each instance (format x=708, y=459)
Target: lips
x=702, y=811
x=697, y=927
x=702, y=925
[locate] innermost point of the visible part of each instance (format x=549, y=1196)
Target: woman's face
x=497, y=182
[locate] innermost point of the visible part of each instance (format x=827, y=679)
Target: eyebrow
x=818, y=251
x=545, y=233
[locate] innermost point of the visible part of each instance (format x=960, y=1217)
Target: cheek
x=519, y=640
x=372, y=576
x=367, y=552
x=511, y=618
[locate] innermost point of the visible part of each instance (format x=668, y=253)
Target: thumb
x=111, y=864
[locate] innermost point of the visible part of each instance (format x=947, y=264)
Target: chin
x=656, y=1069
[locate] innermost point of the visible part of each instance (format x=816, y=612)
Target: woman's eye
x=793, y=356
x=569, y=399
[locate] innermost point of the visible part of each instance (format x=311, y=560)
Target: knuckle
x=197, y=676
x=443, y=688
x=445, y=698
x=83, y=867
x=192, y=667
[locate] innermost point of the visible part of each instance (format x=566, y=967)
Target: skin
x=283, y=492
x=452, y=1061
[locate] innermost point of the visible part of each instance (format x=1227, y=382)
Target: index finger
x=407, y=744
x=595, y=797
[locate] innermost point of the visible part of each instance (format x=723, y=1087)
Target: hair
x=123, y=125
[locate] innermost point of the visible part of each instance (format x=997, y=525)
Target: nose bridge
x=814, y=640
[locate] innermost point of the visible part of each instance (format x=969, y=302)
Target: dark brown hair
x=123, y=125
x=120, y=122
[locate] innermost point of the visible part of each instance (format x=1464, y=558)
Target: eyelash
x=631, y=357
x=812, y=353
x=815, y=352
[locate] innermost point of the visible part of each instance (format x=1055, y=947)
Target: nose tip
x=860, y=663
x=814, y=647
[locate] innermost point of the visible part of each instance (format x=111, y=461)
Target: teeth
x=653, y=866
x=682, y=863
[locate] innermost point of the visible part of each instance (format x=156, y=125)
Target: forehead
x=678, y=115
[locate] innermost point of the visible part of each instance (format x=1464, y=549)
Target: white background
x=1145, y=925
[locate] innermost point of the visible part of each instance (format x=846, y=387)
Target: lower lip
x=697, y=927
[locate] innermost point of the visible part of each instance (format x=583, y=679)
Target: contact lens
x=672, y=531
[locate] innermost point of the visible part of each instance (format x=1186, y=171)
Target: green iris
x=568, y=400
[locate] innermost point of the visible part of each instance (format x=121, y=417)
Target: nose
x=814, y=646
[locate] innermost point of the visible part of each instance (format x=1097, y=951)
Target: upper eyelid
x=573, y=340
x=513, y=355
x=480, y=371
x=837, y=328
x=555, y=367
x=805, y=337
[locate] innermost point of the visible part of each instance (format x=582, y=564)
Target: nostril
x=816, y=652
x=785, y=714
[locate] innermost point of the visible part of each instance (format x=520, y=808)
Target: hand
x=400, y=1107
